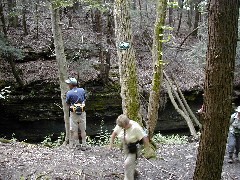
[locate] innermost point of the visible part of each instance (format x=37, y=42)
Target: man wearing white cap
x=234, y=136
x=76, y=98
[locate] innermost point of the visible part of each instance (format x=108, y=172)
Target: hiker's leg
x=231, y=145
x=82, y=127
x=129, y=166
x=237, y=146
x=74, y=130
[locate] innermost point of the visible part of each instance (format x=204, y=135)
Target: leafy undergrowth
x=27, y=161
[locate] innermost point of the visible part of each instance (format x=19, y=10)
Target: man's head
x=122, y=121
x=72, y=82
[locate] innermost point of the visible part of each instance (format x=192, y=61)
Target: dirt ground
x=27, y=161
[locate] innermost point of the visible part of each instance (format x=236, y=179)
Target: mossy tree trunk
x=154, y=98
x=223, y=32
x=127, y=61
x=62, y=64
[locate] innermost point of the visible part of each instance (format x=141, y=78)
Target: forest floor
x=27, y=161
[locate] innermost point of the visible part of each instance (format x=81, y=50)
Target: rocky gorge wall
x=34, y=112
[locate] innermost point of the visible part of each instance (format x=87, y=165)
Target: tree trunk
x=110, y=28
x=127, y=62
x=180, y=3
x=24, y=12
x=62, y=65
x=180, y=21
x=140, y=14
x=37, y=18
x=170, y=14
x=154, y=98
x=15, y=72
x=190, y=13
x=181, y=112
x=223, y=31
x=196, y=21
x=4, y=29
x=69, y=16
x=13, y=18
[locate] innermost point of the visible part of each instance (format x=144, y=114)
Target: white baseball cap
x=71, y=81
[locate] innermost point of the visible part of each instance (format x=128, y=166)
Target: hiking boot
x=230, y=160
x=136, y=174
x=236, y=157
x=82, y=147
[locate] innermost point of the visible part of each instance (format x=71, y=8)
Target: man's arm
x=113, y=136
x=146, y=141
x=232, y=119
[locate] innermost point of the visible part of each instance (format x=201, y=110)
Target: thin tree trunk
x=110, y=28
x=196, y=21
x=24, y=21
x=170, y=14
x=69, y=15
x=154, y=97
x=62, y=65
x=4, y=29
x=180, y=21
x=140, y=13
x=182, y=113
x=127, y=62
x=146, y=8
x=15, y=72
x=187, y=106
x=180, y=3
x=222, y=43
x=37, y=18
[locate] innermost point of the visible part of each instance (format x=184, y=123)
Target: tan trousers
x=129, y=166
x=77, y=122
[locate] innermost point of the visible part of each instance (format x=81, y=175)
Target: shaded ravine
x=34, y=112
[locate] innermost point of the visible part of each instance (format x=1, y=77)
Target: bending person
x=130, y=133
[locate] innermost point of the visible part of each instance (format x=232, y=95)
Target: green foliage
x=102, y=138
x=4, y=93
x=173, y=4
x=49, y=143
x=6, y=50
x=62, y=3
x=13, y=139
x=173, y=139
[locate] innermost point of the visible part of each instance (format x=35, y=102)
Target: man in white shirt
x=130, y=133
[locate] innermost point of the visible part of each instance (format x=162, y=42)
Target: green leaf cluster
x=48, y=142
x=62, y=3
x=173, y=139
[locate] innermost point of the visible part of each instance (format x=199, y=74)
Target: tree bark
x=182, y=112
x=4, y=29
x=127, y=62
x=170, y=14
x=196, y=21
x=62, y=65
x=154, y=97
x=24, y=21
x=15, y=71
x=180, y=2
x=223, y=31
x=13, y=18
